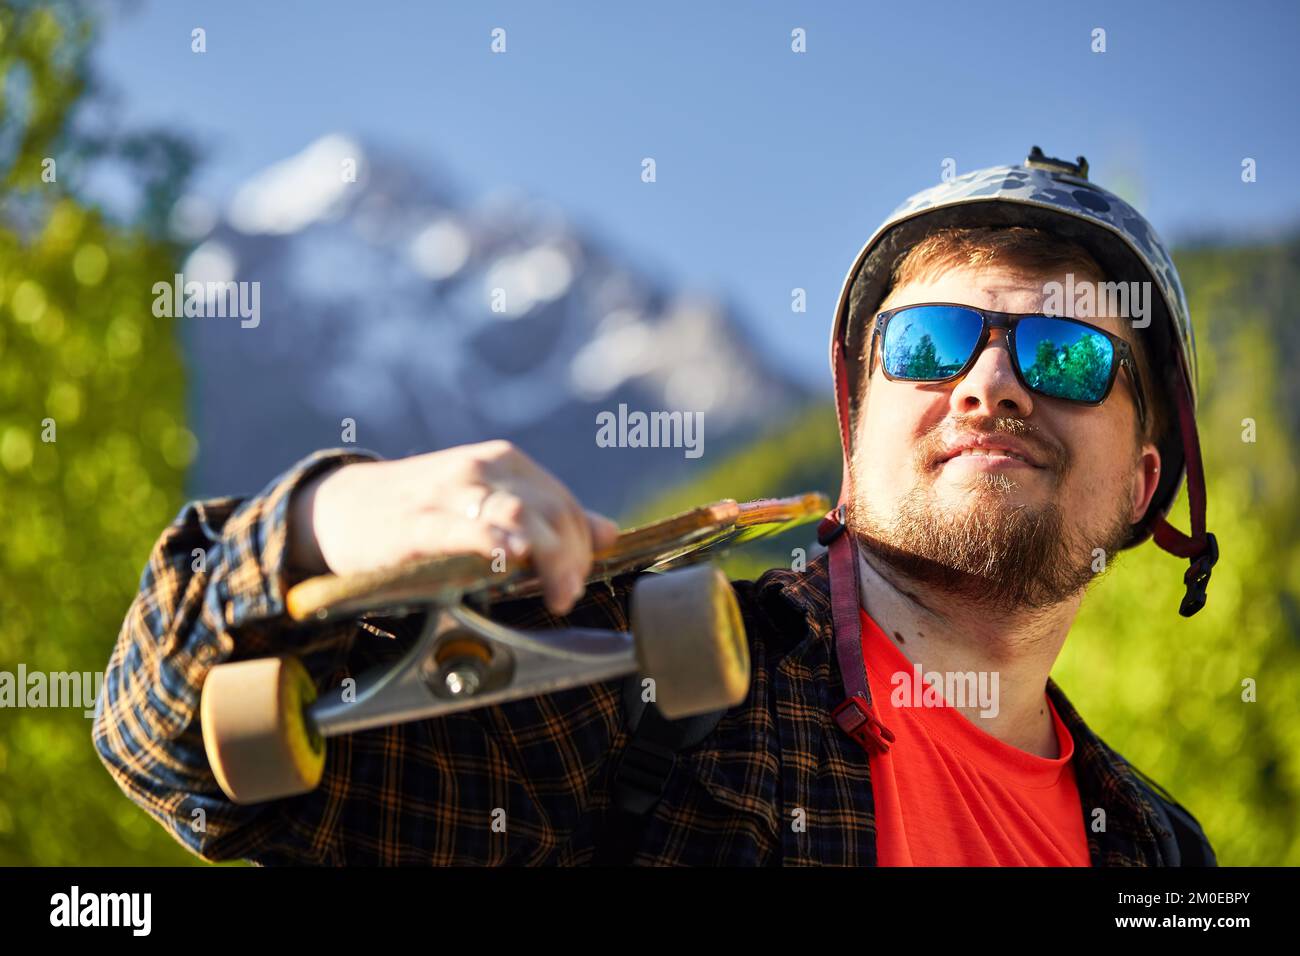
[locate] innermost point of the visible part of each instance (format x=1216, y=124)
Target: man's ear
x=1146, y=479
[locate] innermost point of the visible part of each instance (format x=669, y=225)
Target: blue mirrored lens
x=930, y=342
x=1064, y=359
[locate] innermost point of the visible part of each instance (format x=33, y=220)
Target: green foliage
x=919, y=361
x=82, y=362
x=42, y=74
x=1166, y=691
x=1077, y=370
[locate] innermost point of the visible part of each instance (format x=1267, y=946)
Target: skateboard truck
x=464, y=660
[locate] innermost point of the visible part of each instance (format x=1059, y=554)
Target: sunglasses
x=1052, y=356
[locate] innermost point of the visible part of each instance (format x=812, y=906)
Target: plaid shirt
x=430, y=792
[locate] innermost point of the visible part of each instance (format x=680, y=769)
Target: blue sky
x=773, y=167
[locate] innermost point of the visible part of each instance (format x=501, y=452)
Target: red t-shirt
x=949, y=794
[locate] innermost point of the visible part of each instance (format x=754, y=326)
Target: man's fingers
x=604, y=532
x=535, y=516
x=552, y=560
x=434, y=533
x=559, y=537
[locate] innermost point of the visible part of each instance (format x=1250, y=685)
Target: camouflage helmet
x=1055, y=196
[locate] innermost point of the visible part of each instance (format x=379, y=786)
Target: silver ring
x=475, y=511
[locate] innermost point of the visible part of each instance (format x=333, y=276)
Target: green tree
x=93, y=443
x=1078, y=370
x=919, y=361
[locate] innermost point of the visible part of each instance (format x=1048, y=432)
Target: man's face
x=998, y=531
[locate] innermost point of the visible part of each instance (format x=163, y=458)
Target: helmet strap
x=1200, y=547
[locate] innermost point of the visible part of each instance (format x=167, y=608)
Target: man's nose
x=991, y=385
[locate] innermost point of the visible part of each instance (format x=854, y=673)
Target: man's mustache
x=936, y=443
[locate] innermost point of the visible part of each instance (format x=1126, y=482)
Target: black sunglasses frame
x=1121, y=355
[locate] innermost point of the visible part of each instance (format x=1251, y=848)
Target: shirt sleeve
x=213, y=589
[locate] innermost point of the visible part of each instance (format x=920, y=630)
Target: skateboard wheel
x=258, y=740
x=690, y=640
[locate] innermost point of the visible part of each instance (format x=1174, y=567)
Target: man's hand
x=469, y=499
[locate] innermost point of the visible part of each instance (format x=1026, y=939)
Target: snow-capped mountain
x=430, y=321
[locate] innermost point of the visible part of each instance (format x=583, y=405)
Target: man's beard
x=991, y=553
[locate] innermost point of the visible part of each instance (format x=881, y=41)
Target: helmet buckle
x=1197, y=577
x=1079, y=168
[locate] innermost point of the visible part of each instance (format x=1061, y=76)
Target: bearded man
x=999, y=450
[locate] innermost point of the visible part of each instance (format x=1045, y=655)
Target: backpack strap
x=643, y=771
